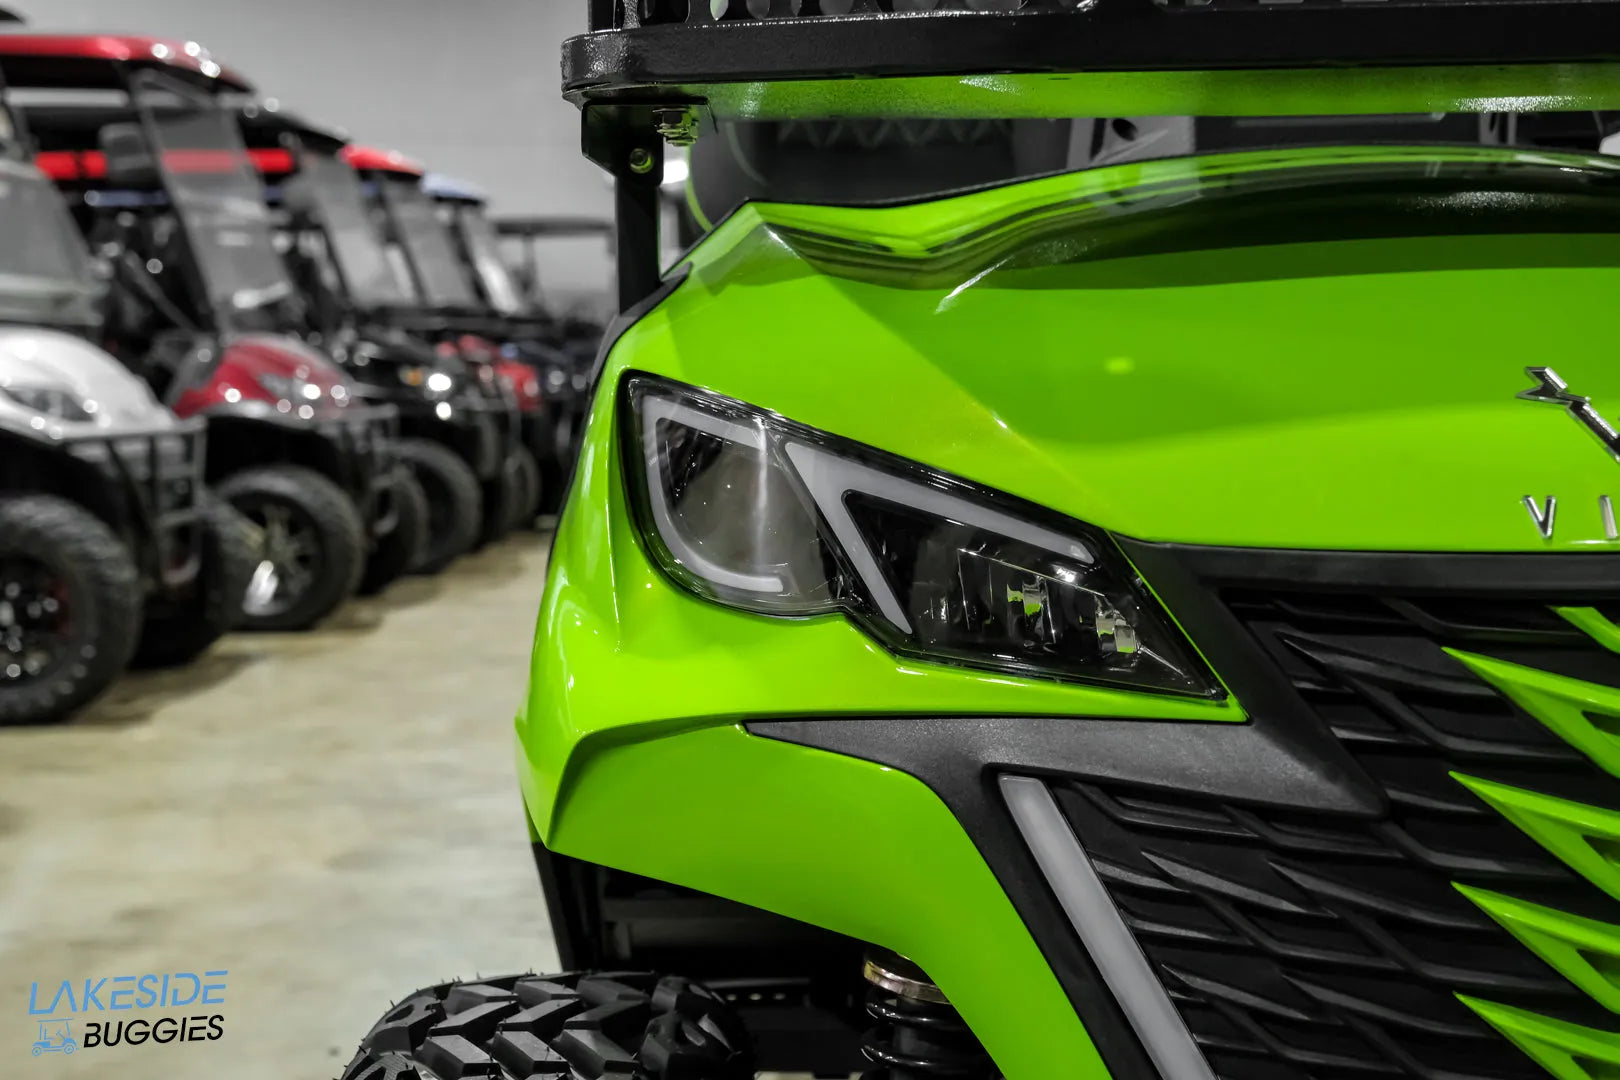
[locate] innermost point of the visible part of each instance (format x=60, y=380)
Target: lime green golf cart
x=1155, y=618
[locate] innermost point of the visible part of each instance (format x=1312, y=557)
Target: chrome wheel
x=289, y=553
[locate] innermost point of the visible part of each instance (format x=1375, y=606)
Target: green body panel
x=1346, y=394
x=1331, y=395
x=844, y=844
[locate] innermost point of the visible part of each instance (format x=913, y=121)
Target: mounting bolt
x=679, y=127
x=641, y=161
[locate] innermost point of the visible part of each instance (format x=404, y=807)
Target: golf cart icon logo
x=55, y=1037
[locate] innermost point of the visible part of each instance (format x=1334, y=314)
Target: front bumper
x=364, y=440
x=157, y=480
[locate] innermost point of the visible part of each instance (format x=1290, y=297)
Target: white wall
x=469, y=87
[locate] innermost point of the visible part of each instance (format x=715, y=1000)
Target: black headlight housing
x=757, y=512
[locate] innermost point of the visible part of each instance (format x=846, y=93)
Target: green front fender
x=858, y=848
x=632, y=755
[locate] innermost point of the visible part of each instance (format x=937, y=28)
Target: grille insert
x=1300, y=945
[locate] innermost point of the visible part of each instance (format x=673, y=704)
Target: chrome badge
x=1552, y=390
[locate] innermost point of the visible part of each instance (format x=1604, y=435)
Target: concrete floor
x=331, y=817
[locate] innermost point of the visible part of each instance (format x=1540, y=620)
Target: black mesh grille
x=1304, y=946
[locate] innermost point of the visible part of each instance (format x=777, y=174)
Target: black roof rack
x=651, y=71
x=1202, y=55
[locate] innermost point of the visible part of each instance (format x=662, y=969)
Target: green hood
x=1312, y=349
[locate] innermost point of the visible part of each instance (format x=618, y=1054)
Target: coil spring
x=920, y=1040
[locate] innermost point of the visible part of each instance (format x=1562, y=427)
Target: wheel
x=501, y=497
x=69, y=1046
x=398, y=553
x=610, y=1024
x=526, y=503
x=311, y=547
x=70, y=608
x=229, y=555
x=455, y=501
x=38, y=1050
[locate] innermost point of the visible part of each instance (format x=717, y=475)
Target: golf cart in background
x=450, y=314
x=520, y=237
x=576, y=335
x=158, y=180
x=111, y=550
x=362, y=304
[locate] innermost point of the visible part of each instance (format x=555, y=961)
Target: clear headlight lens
x=760, y=513
x=50, y=401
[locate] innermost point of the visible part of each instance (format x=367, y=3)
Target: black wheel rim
x=36, y=621
x=289, y=556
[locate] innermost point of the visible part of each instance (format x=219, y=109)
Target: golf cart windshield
x=427, y=245
x=45, y=273
x=484, y=249
x=218, y=198
x=362, y=260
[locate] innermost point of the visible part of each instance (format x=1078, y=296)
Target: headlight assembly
x=759, y=513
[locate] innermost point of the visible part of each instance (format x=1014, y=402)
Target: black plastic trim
x=1107, y=35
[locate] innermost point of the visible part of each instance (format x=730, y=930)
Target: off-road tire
x=455, y=501
x=401, y=551
x=337, y=523
x=215, y=605
x=526, y=503
x=585, y=1025
x=104, y=591
x=501, y=497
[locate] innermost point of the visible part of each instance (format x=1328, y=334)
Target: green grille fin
x=1596, y=625
x=1585, y=837
x=1585, y=951
x=1568, y=1051
x=1585, y=715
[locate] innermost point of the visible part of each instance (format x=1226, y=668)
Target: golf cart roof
x=1043, y=58
x=529, y=227
x=266, y=126
x=444, y=188
x=372, y=159
x=101, y=61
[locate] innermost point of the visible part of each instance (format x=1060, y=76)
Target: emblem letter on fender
x=1545, y=515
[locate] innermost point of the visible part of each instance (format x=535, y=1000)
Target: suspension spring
x=919, y=1035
